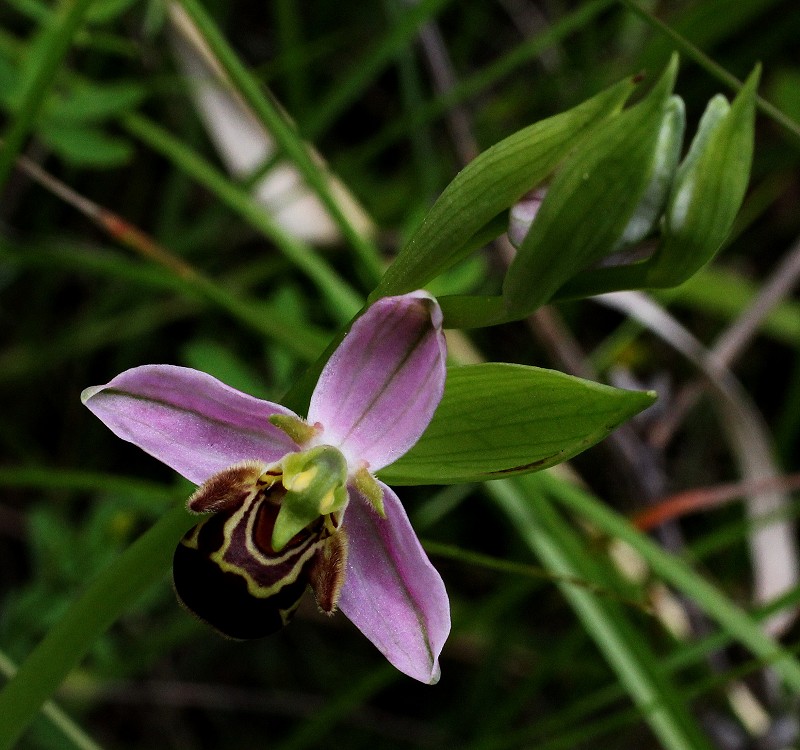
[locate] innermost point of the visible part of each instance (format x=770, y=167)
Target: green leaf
x=708, y=189
x=103, y=11
x=86, y=147
x=105, y=598
x=590, y=202
x=646, y=216
x=9, y=79
x=496, y=420
x=92, y=102
x=32, y=9
x=490, y=184
x=44, y=56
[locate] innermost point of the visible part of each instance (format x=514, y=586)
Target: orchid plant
x=285, y=503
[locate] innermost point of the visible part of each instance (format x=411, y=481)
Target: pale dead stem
x=246, y=146
x=731, y=343
x=773, y=547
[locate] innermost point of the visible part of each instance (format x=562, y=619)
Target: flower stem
x=113, y=592
x=685, y=47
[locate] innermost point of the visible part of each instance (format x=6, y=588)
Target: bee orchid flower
x=288, y=503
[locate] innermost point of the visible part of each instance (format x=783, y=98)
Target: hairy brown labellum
x=225, y=570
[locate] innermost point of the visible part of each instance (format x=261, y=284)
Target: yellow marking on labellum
x=264, y=592
x=251, y=494
x=248, y=514
x=252, y=548
x=192, y=538
x=226, y=569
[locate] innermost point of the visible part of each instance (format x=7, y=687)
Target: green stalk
x=112, y=593
x=471, y=311
x=710, y=66
x=562, y=551
x=57, y=716
x=737, y=623
x=290, y=43
x=344, y=301
x=288, y=140
x=48, y=477
x=42, y=71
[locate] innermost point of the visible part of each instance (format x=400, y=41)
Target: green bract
x=708, y=189
x=666, y=156
x=615, y=183
x=491, y=184
x=590, y=202
x=705, y=195
x=495, y=420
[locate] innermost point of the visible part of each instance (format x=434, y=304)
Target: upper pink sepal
x=380, y=388
x=391, y=592
x=189, y=420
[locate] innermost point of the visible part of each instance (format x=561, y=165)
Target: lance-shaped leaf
x=495, y=420
x=590, y=202
x=708, y=189
x=490, y=184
